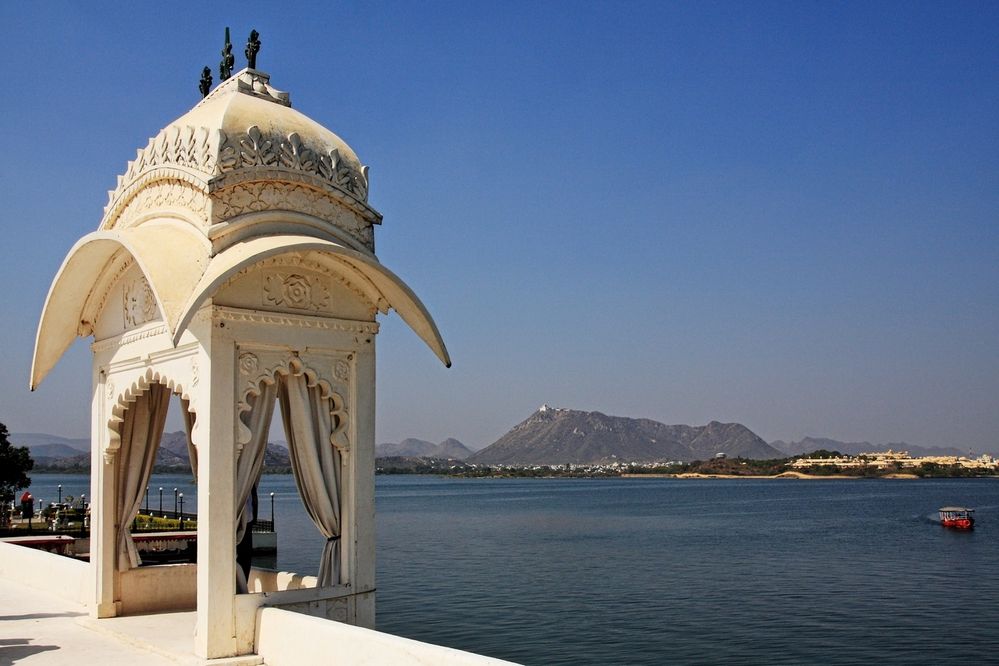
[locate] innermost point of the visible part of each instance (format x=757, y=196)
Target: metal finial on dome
x=228, y=59
x=252, y=47
x=206, y=81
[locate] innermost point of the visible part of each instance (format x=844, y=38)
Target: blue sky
x=782, y=214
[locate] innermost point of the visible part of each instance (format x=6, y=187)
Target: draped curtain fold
x=141, y=431
x=310, y=427
x=250, y=462
x=192, y=450
x=316, y=464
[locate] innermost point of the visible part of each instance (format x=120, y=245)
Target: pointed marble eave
x=392, y=289
x=171, y=256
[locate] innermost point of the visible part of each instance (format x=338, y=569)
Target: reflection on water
x=630, y=571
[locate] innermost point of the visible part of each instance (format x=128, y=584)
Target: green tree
x=15, y=463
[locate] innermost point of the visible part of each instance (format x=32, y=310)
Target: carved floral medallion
x=248, y=363
x=294, y=290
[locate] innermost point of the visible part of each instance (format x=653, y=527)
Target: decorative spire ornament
x=228, y=59
x=252, y=47
x=206, y=82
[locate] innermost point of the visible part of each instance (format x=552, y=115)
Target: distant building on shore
x=886, y=459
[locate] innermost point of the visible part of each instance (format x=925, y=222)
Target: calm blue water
x=622, y=571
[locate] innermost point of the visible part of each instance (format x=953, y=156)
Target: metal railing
x=73, y=522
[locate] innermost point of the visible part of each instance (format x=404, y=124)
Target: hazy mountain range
x=61, y=453
x=809, y=444
x=46, y=448
x=420, y=448
x=548, y=436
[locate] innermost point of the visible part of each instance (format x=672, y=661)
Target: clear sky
x=782, y=214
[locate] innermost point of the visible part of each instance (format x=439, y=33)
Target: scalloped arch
x=292, y=365
x=132, y=392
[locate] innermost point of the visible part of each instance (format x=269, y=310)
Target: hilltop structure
x=234, y=267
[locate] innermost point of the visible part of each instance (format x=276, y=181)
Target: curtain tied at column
x=314, y=422
x=141, y=431
x=250, y=461
x=312, y=415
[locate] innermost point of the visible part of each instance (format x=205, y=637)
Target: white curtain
x=192, y=450
x=250, y=461
x=311, y=427
x=141, y=431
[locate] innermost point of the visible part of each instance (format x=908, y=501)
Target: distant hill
x=452, y=448
x=809, y=444
x=53, y=453
x=558, y=436
x=49, y=446
x=420, y=448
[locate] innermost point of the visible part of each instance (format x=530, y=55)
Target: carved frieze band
x=321, y=323
x=128, y=338
x=215, y=152
x=164, y=194
x=255, y=196
x=254, y=148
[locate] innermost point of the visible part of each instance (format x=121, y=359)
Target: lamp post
x=83, y=501
x=174, y=502
x=147, y=500
x=182, y=511
x=161, y=500
x=60, y=493
x=273, y=528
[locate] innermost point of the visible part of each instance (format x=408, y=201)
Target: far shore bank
x=782, y=475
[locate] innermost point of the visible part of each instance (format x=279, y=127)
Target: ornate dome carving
x=240, y=179
x=242, y=150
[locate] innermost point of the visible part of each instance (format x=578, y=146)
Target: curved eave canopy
x=175, y=262
x=247, y=253
x=170, y=256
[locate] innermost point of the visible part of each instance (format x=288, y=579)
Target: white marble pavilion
x=235, y=268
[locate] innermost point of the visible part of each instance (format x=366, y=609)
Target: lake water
x=627, y=571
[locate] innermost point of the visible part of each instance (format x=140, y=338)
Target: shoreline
x=782, y=475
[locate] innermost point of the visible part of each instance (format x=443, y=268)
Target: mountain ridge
x=421, y=448
x=54, y=453
x=810, y=444
x=567, y=436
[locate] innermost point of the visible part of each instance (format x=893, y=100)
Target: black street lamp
x=147, y=500
x=161, y=500
x=60, y=493
x=182, y=511
x=83, y=501
x=272, y=513
x=174, y=502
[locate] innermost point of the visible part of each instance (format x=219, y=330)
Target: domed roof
x=245, y=124
x=247, y=99
x=238, y=179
